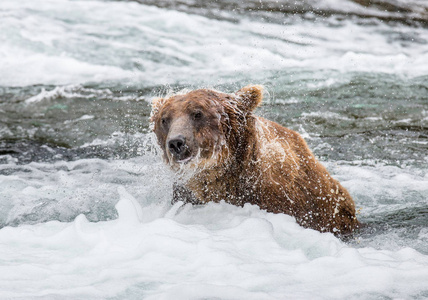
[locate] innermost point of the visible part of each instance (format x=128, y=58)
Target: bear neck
x=225, y=181
x=245, y=142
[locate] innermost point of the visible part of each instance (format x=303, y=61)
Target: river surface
x=85, y=207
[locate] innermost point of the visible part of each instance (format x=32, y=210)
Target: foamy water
x=218, y=251
x=85, y=207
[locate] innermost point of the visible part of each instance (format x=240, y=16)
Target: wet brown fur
x=259, y=162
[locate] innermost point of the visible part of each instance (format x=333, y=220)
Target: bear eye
x=164, y=121
x=197, y=115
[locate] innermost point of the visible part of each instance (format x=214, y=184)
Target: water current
x=85, y=198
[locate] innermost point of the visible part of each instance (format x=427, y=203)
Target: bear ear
x=250, y=97
x=156, y=105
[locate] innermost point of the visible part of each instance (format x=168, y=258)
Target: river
x=85, y=206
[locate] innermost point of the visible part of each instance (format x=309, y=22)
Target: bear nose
x=177, y=145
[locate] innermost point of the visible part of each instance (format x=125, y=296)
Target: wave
x=145, y=45
x=412, y=12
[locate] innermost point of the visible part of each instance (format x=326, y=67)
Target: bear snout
x=178, y=148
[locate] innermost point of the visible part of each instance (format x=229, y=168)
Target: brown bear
x=222, y=151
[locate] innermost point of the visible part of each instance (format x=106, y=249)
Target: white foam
x=128, y=208
x=82, y=118
x=217, y=250
x=325, y=115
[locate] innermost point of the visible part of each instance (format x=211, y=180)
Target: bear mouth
x=184, y=160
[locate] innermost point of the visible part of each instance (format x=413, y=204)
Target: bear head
x=202, y=128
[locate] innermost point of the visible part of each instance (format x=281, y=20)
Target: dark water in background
x=353, y=79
